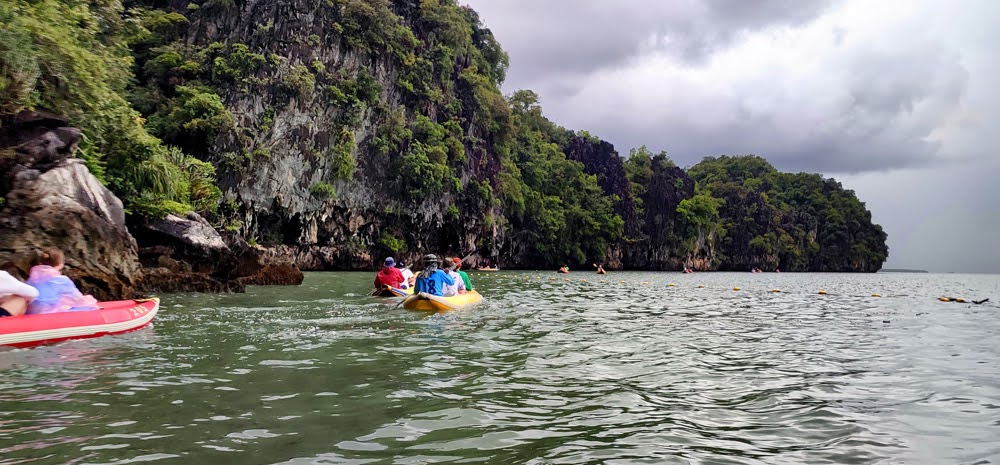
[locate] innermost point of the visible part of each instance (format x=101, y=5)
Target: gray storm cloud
x=647, y=73
x=881, y=94
x=553, y=39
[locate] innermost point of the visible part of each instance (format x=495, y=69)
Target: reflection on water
x=579, y=369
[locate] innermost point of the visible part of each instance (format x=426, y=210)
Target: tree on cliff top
x=559, y=209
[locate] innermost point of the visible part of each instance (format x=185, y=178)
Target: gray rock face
x=189, y=255
x=192, y=231
x=48, y=199
x=67, y=207
x=71, y=182
x=299, y=131
x=52, y=200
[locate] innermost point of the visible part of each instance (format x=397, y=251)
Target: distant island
x=902, y=270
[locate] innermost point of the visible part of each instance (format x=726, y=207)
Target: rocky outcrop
x=359, y=129
x=51, y=200
x=183, y=245
x=751, y=217
x=188, y=254
x=48, y=199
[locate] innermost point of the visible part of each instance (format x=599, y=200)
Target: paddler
x=14, y=295
x=431, y=279
x=459, y=286
x=408, y=276
x=464, y=275
x=390, y=276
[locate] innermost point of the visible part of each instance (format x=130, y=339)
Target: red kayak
x=112, y=318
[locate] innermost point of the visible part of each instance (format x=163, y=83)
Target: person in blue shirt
x=432, y=280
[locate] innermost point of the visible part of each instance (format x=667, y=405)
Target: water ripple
x=624, y=369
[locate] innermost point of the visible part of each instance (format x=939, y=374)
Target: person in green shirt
x=464, y=275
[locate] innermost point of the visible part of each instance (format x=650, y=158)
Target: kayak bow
x=110, y=318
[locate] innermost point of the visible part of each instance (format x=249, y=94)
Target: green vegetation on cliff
x=72, y=58
x=397, y=103
x=795, y=222
x=556, y=207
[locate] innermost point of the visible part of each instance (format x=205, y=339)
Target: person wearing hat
x=408, y=276
x=389, y=276
x=432, y=280
x=464, y=275
x=452, y=270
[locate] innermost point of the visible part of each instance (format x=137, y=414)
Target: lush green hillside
x=352, y=128
x=795, y=222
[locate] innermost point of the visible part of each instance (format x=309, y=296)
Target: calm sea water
x=551, y=369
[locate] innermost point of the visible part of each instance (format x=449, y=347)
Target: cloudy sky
x=899, y=100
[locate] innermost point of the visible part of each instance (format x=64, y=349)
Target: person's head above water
x=389, y=263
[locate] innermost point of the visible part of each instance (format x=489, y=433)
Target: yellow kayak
x=431, y=303
x=390, y=291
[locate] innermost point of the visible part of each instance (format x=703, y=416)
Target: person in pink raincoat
x=56, y=293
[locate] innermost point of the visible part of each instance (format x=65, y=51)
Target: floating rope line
x=960, y=300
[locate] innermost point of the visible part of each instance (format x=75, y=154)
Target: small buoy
x=644, y=282
x=622, y=282
x=776, y=291
x=583, y=280
x=736, y=288
x=960, y=300
x=944, y=299
x=672, y=284
x=701, y=286
x=876, y=295
x=552, y=279
x=822, y=292
x=565, y=279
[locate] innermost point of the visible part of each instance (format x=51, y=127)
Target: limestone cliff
x=365, y=128
x=248, y=138
x=301, y=165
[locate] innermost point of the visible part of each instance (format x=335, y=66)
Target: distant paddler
x=486, y=267
x=600, y=268
x=563, y=269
